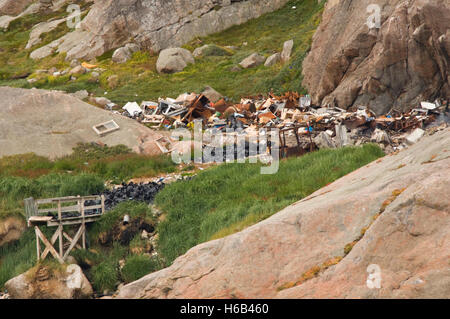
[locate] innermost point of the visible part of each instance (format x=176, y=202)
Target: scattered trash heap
x=303, y=127
x=139, y=192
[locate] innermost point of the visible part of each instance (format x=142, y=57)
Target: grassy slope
x=101, y=263
x=219, y=201
x=140, y=81
x=229, y=198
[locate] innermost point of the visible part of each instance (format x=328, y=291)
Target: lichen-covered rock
x=210, y=50
x=402, y=63
x=392, y=214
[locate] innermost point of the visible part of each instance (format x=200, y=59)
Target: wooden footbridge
x=63, y=212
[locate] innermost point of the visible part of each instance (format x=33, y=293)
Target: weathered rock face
x=155, y=25
x=44, y=283
x=174, y=60
x=398, y=65
x=10, y=230
x=13, y=7
x=52, y=123
x=393, y=212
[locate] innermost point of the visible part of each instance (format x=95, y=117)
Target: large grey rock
x=52, y=123
x=174, y=60
x=157, y=25
x=252, y=61
x=45, y=283
x=273, y=59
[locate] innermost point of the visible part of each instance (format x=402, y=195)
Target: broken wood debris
x=300, y=122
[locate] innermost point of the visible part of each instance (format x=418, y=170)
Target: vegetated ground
x=139, y=79
x=84, y=172
x=217, y=202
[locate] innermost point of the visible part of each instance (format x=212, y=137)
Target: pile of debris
x=303, y=126
x=139, y=192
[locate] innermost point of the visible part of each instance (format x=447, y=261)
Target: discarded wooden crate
x=74, y=211
x=105, y=128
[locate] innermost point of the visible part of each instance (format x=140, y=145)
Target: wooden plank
x=103, y=204
x=84, y=224
x=48, y=245
x=71, y=239
x=40, y=218
x=68, y=209
x=73, y=222
x=59, y=211
x=64, y=209
x=80, y=231
x=52, y=242
x=38, y=247
x=55, y=199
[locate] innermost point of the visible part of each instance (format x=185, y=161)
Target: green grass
x=13, y=190
x=18, y=257
x=130, y=208
x=140, y=81
x=231, y=197
x=84, y=172
x=102, y=262
x=137, y=266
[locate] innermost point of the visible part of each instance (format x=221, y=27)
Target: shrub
x=105, y=276
x=137, y=266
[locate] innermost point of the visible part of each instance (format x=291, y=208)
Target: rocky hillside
x=398, y=65
x=392, y=215
x=52, y=123
x=154, y=25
